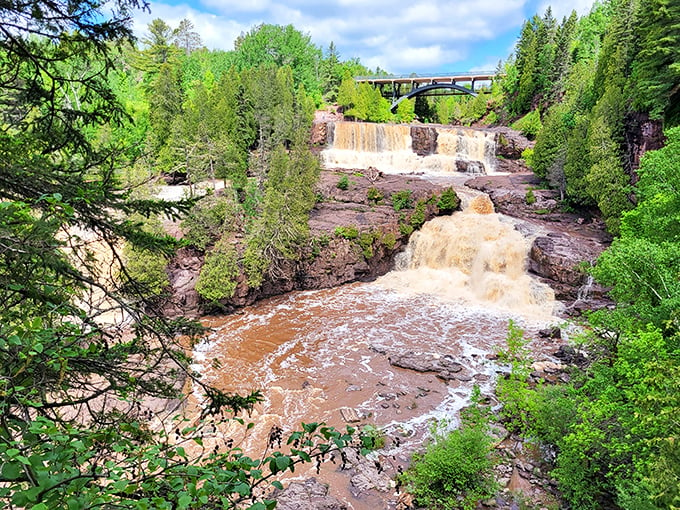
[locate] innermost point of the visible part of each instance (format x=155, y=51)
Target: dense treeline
x=241, y=116
x=594, y=81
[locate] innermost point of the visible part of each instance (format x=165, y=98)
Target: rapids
x=317, y=353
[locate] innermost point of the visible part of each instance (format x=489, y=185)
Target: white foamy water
x=388, y=147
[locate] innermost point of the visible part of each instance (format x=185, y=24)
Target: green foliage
x=405, y=111
x=656, y=68
x=406, y=229
x=146, y=271
x=448, y=201
x=389, y=240
x=343, y=183
x=402, y=200
x=528, y=157
x=218, y=277
x=529, y=198
x=513, y=390
x=279, y=46
x=456, y=469
x=281, y=230
x=349, y=232
x=212, y=217
x=529, y=125
x=371, y=437
x=642, y=265
x=417, y=217
x=374, y=195
x=365, y=241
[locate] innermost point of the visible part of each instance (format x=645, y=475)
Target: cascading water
x=389, y=147
x=316, y=354
x=474, y=256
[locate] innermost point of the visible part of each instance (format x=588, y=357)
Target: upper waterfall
x=401, y=148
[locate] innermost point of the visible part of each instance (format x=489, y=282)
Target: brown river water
x=324, y=355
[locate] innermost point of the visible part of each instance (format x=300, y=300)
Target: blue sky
x=400, y=36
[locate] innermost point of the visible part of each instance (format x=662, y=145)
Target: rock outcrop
x=355, y=234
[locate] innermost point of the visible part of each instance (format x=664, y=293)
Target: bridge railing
x=464, y=74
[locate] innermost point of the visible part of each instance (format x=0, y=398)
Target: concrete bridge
x=398, y=88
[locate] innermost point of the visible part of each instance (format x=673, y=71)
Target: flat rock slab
x=310, y=495
x=445, y=367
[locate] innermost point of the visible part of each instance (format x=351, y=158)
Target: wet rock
x=470, y=167
x=309, y=494
x=424, y=140
x=570, y=356
x=445, y=366
x=554, y=332
x=350, y=415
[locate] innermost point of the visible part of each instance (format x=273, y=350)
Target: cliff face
x=355, y=234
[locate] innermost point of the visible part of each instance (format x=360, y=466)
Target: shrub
x=218, y=277
x=374, y=195
x=405, y=229
x=448, y=201
x=513, y=391
x=146, y=271
x=389, y=240
x=209, y=219
x=529, y=125
x=350, y=232
x=418, y=216
x=371, y=437
x=530, y=198
x=456, y=470
x=343, y=183
x=366, y=242
x=402, y=200
x=528, y=156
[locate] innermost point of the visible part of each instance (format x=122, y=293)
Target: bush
x=402, y=200
x=529, y=125
x=528, y=156
x=530, y=198
x=343, y=183
x=366, y=242
x=389, y=240
x=218, y=277
x=374, y=195
x=448, y=201
x=456, y=470
x=209, y=219
x=350, y=232
x=371, y=437
x=147, y=272
x=418, y=216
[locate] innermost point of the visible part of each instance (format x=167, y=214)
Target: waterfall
x=473, y=256
x=391, y=148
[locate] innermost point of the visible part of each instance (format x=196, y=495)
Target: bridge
x=398, y=88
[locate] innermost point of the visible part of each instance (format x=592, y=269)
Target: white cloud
x=401, y=36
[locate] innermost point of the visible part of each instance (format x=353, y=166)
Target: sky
x=399, y=36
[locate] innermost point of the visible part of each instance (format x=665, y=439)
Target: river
x=324, y=355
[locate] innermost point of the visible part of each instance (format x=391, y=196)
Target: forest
x=92, y=119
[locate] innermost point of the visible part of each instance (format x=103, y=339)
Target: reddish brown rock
x=423, y=140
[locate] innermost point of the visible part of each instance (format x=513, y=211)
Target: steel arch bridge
x=399, y=88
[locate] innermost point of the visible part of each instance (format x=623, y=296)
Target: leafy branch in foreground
x=90, y=370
